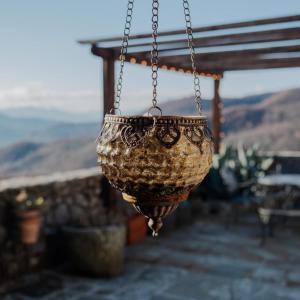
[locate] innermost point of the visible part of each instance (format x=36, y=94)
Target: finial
x=155, y=225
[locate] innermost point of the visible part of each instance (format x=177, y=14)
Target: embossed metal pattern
x=155, y=160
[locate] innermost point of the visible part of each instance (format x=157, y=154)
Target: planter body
x=136, y=229
x=97, y=251
x=29, y=223
x=155, y=161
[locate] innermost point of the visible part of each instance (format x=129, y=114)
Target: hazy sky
x=42, y=65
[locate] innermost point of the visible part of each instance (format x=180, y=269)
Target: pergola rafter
x=239, y=25
x=276, y=35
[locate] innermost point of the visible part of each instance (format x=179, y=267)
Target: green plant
x=23, y=202
x=251, y=165
x=232, y=168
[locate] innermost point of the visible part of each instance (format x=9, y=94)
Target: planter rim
x=28, y=213
x=70, y=228
x=160, y=120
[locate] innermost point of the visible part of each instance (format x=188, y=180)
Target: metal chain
x=189, y=32
x=123, y=53
x=154, y=52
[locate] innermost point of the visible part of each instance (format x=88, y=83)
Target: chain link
x=154, y=52
x=123, y=54
x=190, y=36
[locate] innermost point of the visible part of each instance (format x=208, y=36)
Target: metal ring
x=115, y=111
x=154, y=107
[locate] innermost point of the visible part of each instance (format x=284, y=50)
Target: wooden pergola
x=250, y=45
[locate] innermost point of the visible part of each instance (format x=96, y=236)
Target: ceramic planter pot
x=155, y=161
x=29, y=223
x=97, y=251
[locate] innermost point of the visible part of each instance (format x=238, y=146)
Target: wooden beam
x=276, y=63
x=108, y=85
x=103, y=52
x=109, y=195
x=244, y=24
x=147, y=62
x=273, y=35
x=232, y=54
x=218, y=66
x=232, y=60
x=216, y=63
x=216, y=116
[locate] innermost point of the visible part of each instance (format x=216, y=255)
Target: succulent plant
x=233, y=167
x=24, y=202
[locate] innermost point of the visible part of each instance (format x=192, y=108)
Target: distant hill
x=13, y=130
x=273, y=123
x=271, y=120
x=47, y=125
x=50, y=115
x=30, y=158
x=17, y=129
x=186, y=106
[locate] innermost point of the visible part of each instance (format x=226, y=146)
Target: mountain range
x=40, y=142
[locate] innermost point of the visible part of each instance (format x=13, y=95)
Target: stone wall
x=71, y=198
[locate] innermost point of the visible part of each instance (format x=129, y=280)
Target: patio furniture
x=279, y=196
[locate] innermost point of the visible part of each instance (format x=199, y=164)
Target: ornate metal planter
x=155, y=161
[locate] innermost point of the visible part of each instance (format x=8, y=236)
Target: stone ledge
x=25, y=182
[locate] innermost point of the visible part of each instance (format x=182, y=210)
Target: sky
x=42, y=65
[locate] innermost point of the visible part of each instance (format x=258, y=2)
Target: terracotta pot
x=29, y=223
x=136, y=229
x=155, y=161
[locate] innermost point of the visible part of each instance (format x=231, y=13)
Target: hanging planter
x=155, y=160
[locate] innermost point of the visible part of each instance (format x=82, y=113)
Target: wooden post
x=108, y=106
x=216, y=115
x=108, y=85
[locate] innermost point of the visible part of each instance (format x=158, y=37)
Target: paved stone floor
x=204, y=261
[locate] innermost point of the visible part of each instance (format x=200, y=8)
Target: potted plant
x=233, y=169
x=97, y=248
x=29, y=217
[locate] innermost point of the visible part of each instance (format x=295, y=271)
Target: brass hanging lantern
x=155, y=160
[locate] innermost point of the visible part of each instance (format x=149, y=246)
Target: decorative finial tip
x=155, y=225
x=154, y=234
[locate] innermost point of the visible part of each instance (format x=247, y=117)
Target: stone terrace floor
x=203, y=261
